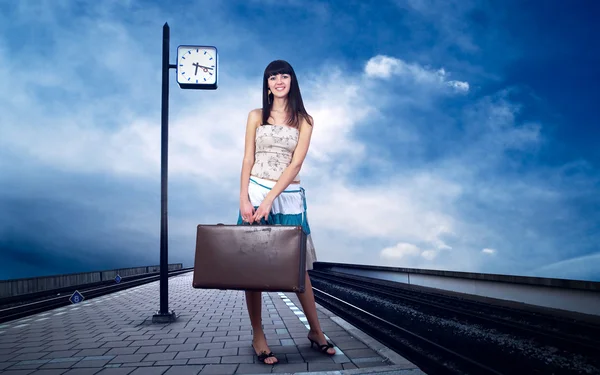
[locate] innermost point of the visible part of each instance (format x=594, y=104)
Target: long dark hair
x=295, y=104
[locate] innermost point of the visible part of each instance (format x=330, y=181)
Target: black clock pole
x=164, y=315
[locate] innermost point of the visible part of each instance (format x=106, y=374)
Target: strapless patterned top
x=274, y=147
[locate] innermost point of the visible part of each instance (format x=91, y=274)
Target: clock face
x=197, y=66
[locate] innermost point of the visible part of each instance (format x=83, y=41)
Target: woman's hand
x=263, y=210
x=247, y=211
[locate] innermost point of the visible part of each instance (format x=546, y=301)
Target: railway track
x=449, y=335
x=16, y=308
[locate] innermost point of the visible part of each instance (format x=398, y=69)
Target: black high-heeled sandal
x=264, y=355
x=322, y=348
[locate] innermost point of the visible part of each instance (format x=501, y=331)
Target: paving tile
x=222, y=352
x=91, y=364
x=20, y=366
x=204, y=361
x=184, y=370
x=115, y=371
x=180, y=347
x=292, y=358
x=160, y=336
x=120, y=351
x=160, y=356
x=137, y=364
x=124, y=358
x=218, y=369
x=148, y=349
x=148, y=342
x=156, y=370
x=289, y=367
x=137, y=337
x=256, y=368
x=191, y=354
x=174, y=341
x=26, y=356
x=193, y=334
x=57, y=365
x=237, y=359
x=8, y=350
x=360, y=353
x=370, y=364
x=287, y=342
x=324, y=366
x=106, y=339
x=218, y=345
x=92, y=352
x=347, y=345
x=88, y=345
x=349, y=366
x=172, y=362
x=82, y=371
x=60, y=354
x=225, y=338
x=340, y=358
x=18, y=372
x=215, y=333
x=4, y=365
x=29, y=344
x=116, y=344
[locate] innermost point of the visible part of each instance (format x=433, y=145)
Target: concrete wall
x=9, y=288
x=570, y=295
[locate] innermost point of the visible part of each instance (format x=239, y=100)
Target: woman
x=277, y=140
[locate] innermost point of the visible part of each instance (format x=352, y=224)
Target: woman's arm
x=254, y=118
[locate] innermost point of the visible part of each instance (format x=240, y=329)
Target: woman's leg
x=307, y=300
x=259, y=342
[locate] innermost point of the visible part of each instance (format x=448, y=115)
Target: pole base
x=167, y=317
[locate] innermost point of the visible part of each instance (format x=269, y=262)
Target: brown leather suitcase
x=250, y=257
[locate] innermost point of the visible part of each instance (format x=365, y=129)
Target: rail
x=569, y=296
x=447, y=335
x=30, y=306
x=41, y=284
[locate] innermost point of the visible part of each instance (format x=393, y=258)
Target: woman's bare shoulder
x=255, y=116
x=307, y=120
x=256, y=113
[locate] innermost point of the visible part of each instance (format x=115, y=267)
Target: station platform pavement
x=115, y=335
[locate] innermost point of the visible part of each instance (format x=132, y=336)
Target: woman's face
x=280, y=84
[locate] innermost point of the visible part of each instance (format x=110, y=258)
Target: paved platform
x=114, y=335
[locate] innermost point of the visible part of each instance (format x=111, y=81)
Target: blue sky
x=454, y=135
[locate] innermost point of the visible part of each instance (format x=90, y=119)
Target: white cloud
x=429, y=254
x=406, y=254
x=459, y=85
x=489, y=251
x=382, y=66
x=411, y=207
x=400, y=250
